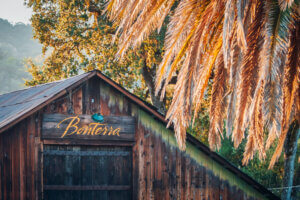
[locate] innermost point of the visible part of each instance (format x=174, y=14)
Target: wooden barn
x=86, y=137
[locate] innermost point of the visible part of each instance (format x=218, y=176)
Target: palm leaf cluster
x=250, y=50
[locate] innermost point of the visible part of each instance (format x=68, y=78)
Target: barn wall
x=160, y=169
x=165, y=172
x=19, y=147
x=186, y=175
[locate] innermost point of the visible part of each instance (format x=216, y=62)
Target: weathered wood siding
x=19, y=160
x=87, y=172
x=160, y=170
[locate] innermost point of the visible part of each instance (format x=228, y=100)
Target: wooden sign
x=83, y=127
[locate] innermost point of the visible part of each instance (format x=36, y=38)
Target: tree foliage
x=80, y=39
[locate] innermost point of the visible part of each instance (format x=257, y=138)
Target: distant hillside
x=16, y=44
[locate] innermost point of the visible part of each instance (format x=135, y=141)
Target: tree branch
x=94, y=9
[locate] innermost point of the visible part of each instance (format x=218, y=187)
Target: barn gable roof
x=17, y=105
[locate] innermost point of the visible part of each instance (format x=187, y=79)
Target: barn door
x=86, y=172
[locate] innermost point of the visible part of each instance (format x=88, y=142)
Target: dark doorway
x=87, y=172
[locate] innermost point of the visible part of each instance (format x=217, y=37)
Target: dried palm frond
x=240, y=26
x=284, y=4
x=256, y=128
x=278, y=22
x=181, y=30
x=188, y=84
x=249, y=73
x=210, y=46
x=248, y=41
x=290, y=89
x=203, y=78
x=236, y=48
x=233, y=83
x=228, y=31
x=276, y=109
x=137, y=19
x=217, y=104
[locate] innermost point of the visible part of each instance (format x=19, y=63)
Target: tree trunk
x=296, y=191
x=290, y=149
x=149, y=77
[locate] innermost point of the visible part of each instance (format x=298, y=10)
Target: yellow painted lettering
x=116, y=131
x=98, y=131
x=90, y=129
x=110, y=131
x=86, y=129
x=81, y=130
x=104, y=131
x=73, y=124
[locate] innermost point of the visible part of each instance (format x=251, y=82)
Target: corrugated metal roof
x=15, y=104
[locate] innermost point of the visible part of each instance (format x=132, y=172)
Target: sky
x=15, y=11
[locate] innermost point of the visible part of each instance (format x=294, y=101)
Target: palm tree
x=251, y=48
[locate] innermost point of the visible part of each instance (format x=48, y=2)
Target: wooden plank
x=22, y=142
x=117, y=98
x=147, y=163
x=178, y=174
x=16, y=163
x=183, y=176
x=201, y=182
x=188, y=178
x=8, y=166
x=62, y=105
x=122, y=136
x=99, y=176
x=1, y=166
x=35, y=155
x=85, y=98
x=63, y=153
x=215, y=187
x=158, y=169
x=104, y=99
x=63, y=141
x=141, y=166
x=77, y=101
x=37, y=165
x=135, y=166
x=222, y=190
x=5, y=163
x=197, y=183
x=152, y=161
x=87, y=118
x=208, y=184
x=165, y=175
x=94, y=95
x=171, y=169
x=87, y=187
x=87, y=176
x=192, y=191
x=28, y=157
x=112, y=128
x=91, y=96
